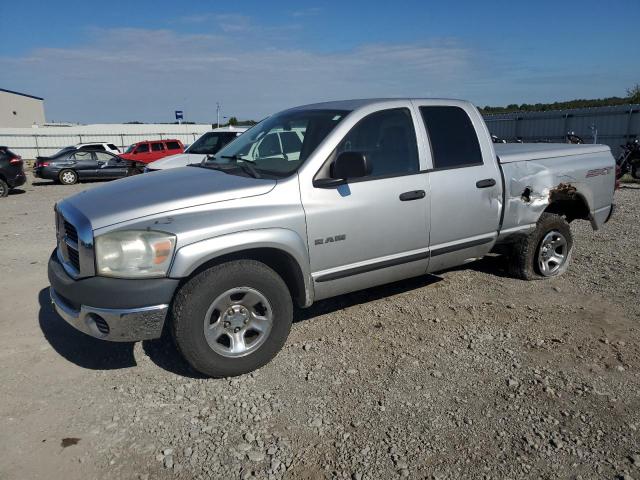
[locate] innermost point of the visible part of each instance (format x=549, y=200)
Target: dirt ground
x=468, y=374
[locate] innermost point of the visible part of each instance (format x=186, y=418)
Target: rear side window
x=82, y=155
x=388, y=139
x=112, y=146
x=157, y=147
x=173, y=146
x=454, y=142
x=142, y=148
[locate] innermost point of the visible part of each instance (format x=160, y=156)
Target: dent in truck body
x=533, y=187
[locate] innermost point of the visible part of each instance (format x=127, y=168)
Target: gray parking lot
x=466, y=374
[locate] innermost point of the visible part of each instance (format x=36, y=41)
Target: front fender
x=190, y=257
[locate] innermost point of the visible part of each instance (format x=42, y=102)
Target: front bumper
x=116, y=325
x=114, y=309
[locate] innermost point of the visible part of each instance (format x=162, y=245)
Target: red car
x=149, y=151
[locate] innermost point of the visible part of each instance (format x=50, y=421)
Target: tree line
x=633, y=96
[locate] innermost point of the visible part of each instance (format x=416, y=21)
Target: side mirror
x=350, y=165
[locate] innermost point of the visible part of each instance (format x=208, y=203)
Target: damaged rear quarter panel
x=531, y=185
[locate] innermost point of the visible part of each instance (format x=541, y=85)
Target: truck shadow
x=83, y=350
x=93, y=354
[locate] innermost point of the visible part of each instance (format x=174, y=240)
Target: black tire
x=4, y=188
x=523, y=263
x=68, y=177
x=194, y=298
x=635, y=171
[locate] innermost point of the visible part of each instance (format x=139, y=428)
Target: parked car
x=11, y=171
x=148, y=151
x=207, y=144
x=378, y=191
x=76, y=165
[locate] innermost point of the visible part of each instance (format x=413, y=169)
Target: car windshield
x=131, y=147
x=207, y=144
x=278, y=145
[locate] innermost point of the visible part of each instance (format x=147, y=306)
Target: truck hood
x=164, y=191
x=175, y=161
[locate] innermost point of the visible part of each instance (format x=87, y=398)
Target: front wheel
x=544, y=253
x=68, y=177
x=232, y=318
x=4, y=188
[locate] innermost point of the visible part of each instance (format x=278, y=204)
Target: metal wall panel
x=614, y=125
x=42, y=141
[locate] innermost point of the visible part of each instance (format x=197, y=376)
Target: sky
x=97, y=61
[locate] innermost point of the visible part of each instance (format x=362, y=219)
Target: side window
x=112, y=146
x=142, y=148
x=173, y=146
x=82, y=156
x=454, y=142
x=291, y=143
x=269, y=146
x=103, y=157
x=388, y=139
x=157, y=147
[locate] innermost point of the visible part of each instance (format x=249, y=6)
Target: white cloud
x=134, y=74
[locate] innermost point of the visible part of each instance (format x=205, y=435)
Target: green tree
x=634, y=93
x=233, y=121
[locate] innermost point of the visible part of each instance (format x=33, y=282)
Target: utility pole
x=217, y=114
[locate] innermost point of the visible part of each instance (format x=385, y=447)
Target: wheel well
x=568, y=204
x=278, y=260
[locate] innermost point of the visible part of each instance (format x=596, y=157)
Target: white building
x=20, y=109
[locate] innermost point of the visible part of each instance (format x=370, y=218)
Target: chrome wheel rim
x=552, y=254
x=238, y=322
x=2, y=189
x=68, y=177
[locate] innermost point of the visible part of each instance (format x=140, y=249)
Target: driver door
x=374, y=229
x=110, y=166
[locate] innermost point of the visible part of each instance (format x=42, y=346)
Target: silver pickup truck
x=314, y=202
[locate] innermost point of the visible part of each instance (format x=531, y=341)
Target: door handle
x=486, y=183
x=413, y=195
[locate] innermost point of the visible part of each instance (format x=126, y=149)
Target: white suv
x=98, y=146
x=207, y=144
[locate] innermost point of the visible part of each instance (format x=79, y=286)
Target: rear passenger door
x=157, y=151
x=466, y=185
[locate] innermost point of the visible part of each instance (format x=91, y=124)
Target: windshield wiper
x=245, y=164
x=237, y=157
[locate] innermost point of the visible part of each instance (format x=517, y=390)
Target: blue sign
x=179, y=115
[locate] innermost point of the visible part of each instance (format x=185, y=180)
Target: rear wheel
x=232, y=318
x=4, y=188
x=544, y=253
x=68, y=177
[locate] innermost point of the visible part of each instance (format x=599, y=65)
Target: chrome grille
x=70, y=231
x=75, y=241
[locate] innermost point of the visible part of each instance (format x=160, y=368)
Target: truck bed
x=520, y=152
x=537, y=173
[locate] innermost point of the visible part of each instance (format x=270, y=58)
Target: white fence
x=32, y=142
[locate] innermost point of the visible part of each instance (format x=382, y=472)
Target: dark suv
x=11, y=171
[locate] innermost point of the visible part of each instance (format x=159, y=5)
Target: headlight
x=134, y=253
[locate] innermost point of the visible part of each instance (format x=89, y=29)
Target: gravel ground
x=466, y=374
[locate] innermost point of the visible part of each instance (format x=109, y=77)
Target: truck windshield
x=278, y=145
